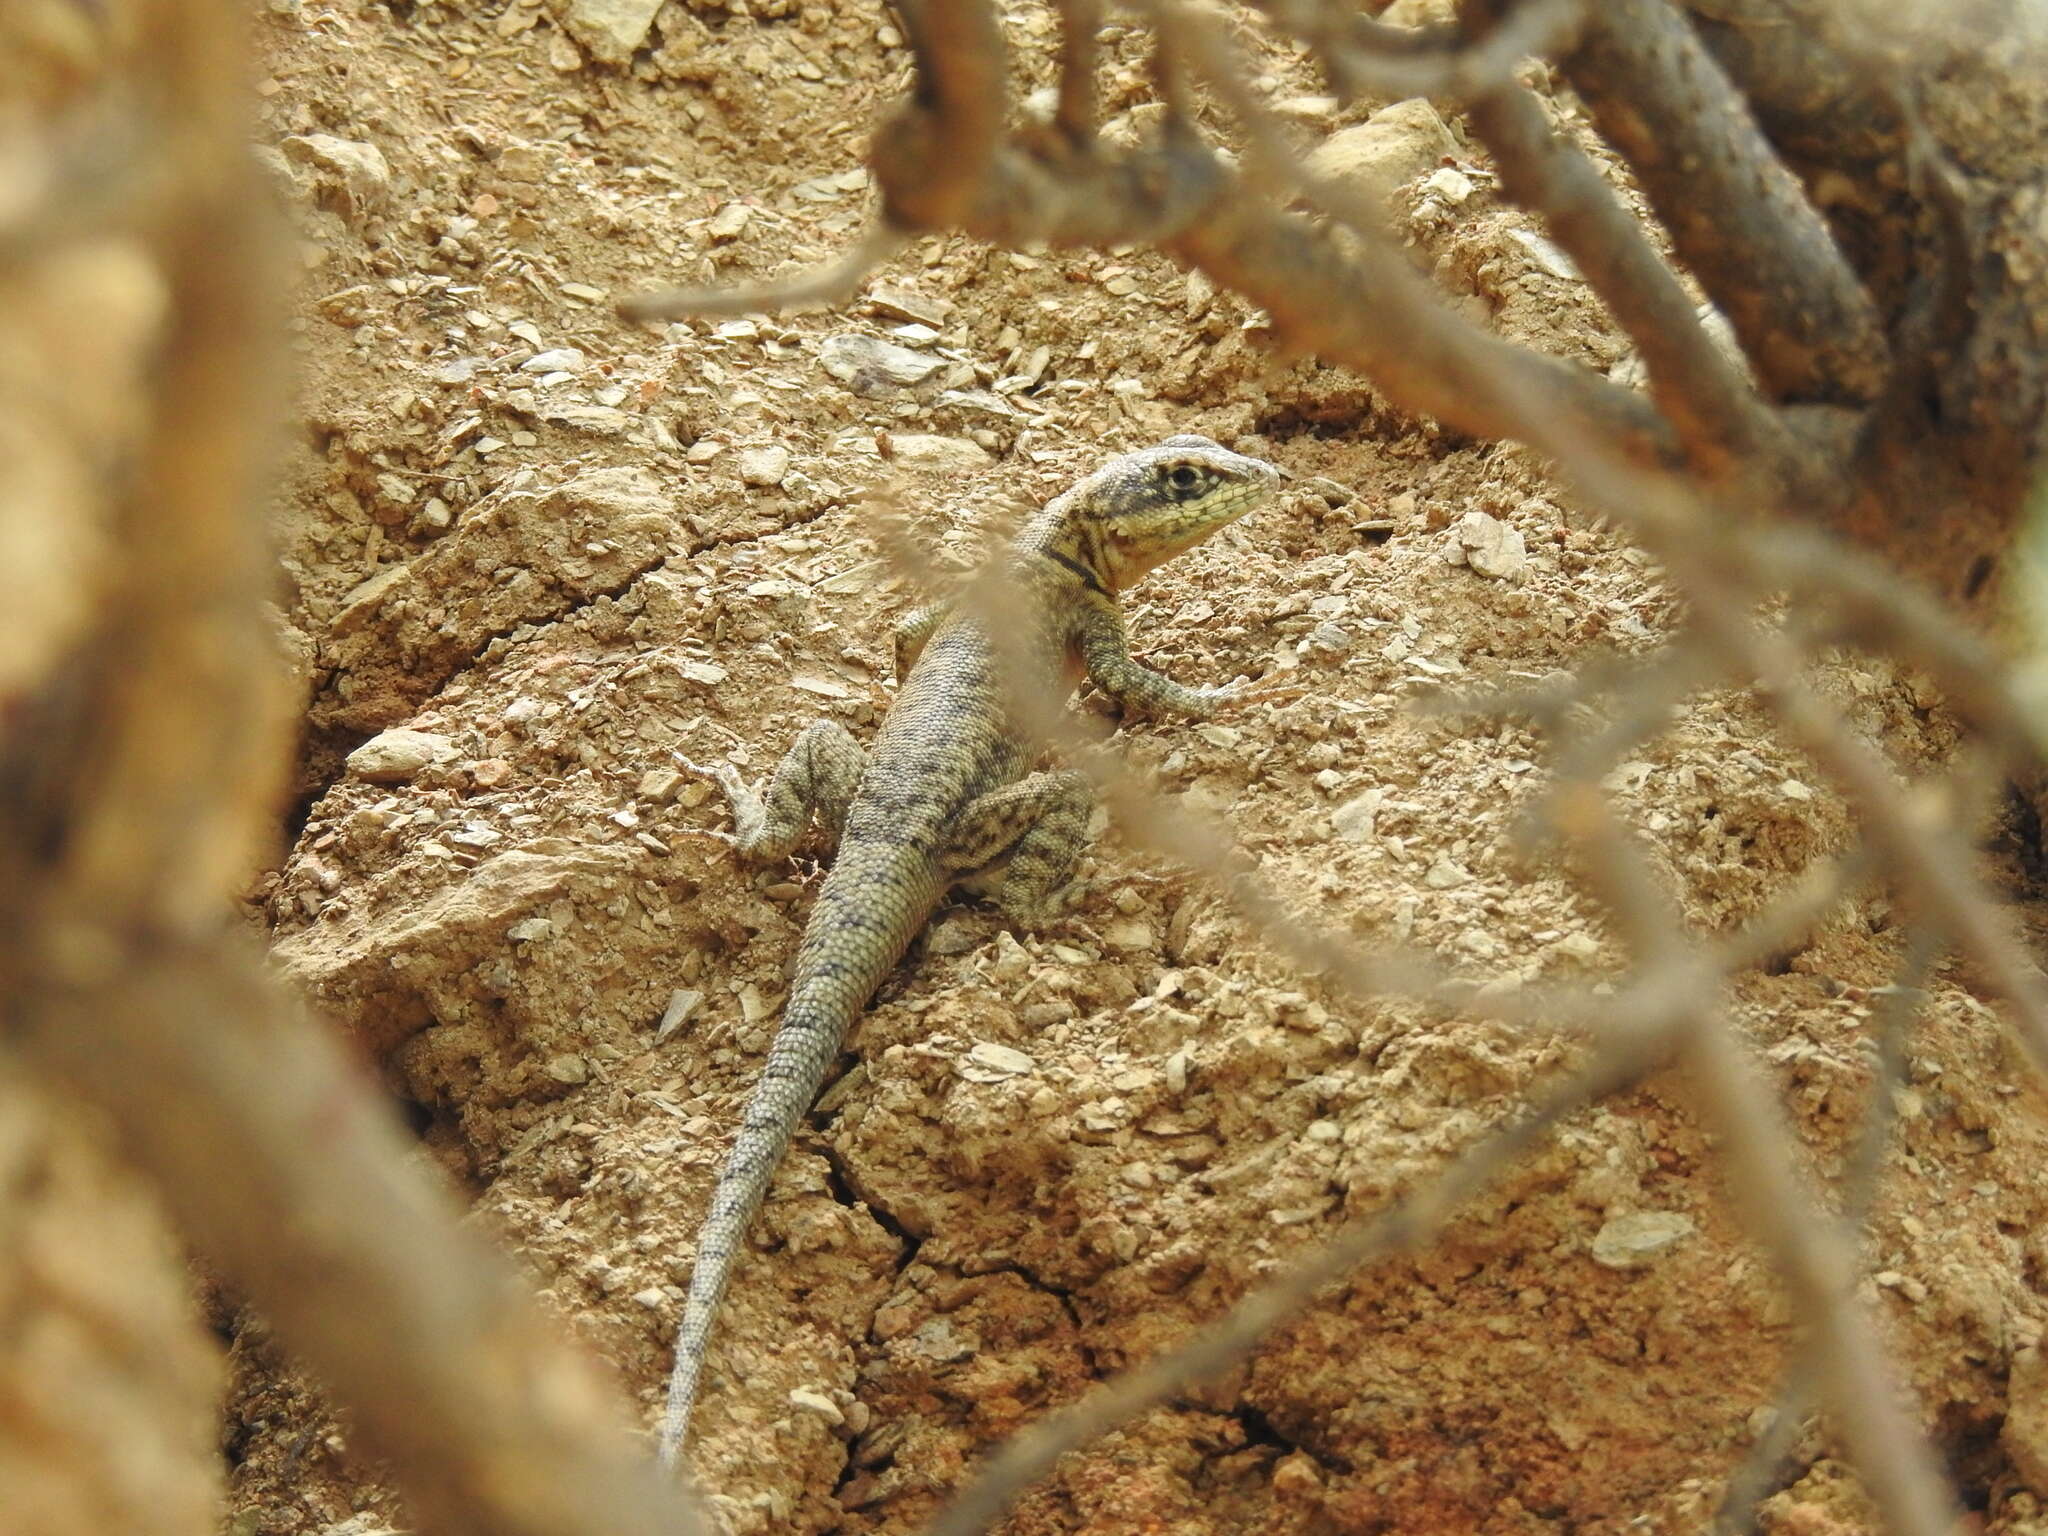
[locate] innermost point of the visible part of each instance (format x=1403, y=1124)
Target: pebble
x=938, y=455
x=555, y=360
x=812, y=1401
x=1490, y=546
x=611, y=29
x=729, y=223
x=1448, y=183
x=987, y=1061
x=1548, y=256
x=901, y=303
x=1356, y=819
x=1444, y=875
x=1633, y=1240
x=1388, y=149
x=764, y=467
x=569, y=1068
x=868, y=364
x=396, y=755
x=530, y=930
x=358, y=174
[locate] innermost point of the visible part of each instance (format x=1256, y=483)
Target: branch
x=1364, y=57
x=1738, y=218
x=827, y=285
x=1707, y=400
x=931, y=158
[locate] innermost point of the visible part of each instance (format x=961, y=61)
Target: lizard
x=944, y=793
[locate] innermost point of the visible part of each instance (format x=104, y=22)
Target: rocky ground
x=531, y=552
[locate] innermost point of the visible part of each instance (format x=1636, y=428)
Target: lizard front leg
x=816, y=777
x=1041, y=821
x=911, y=632
x=1107, y=656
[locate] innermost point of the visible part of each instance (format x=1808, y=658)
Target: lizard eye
x=1183, y=477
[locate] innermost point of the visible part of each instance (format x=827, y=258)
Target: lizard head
x=1148, y=506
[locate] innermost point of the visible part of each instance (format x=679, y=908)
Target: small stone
x=1356, y=819
x=1129, y=934
x=556, y=360
x=654, y=1299
x=764, y=467
x=358, y=177
x=708, y=674
x=1491, y=547
x=1633, y=1240
x=1450, y=184
x=901, y=303
x=987, y=1061
x=530, y=930
x=938, y=455
x=755, y=1005
x=1792, y=789
x=1313, y=111
x=569, y=1068
x=681, y=1004
x=1387, y=150
x=489, y=772
x=1444, y=875
x=659, y=785
x=611, y=29
x=396, y=755
x=869, y=365
x=812, y=1401
x=729, y=223
x=1547, y=255
x=583, y=291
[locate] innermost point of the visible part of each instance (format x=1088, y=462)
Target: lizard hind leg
x=1041, y=822
x=816, y=777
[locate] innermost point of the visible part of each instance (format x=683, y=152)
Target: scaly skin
x=944, y=792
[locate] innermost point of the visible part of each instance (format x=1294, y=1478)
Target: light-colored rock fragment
x=1449, y=184
x=569, y=1068
x=682, y=1003
x=938, y=455
x=555, y=360
x=1355, y=820
x=1445, y=875
x=396, y=755
x=729, y=223
x=764, y=467
x=867, y=363
x=1635, y=1239
x=987, y=1061
x=610, y=29
x=354, y=178
x=1386, y=151
x=1491, y=547
x=816, y=1403
x=901, y=303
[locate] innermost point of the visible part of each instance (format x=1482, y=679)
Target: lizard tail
x=845, y=955
x=803, y=1050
